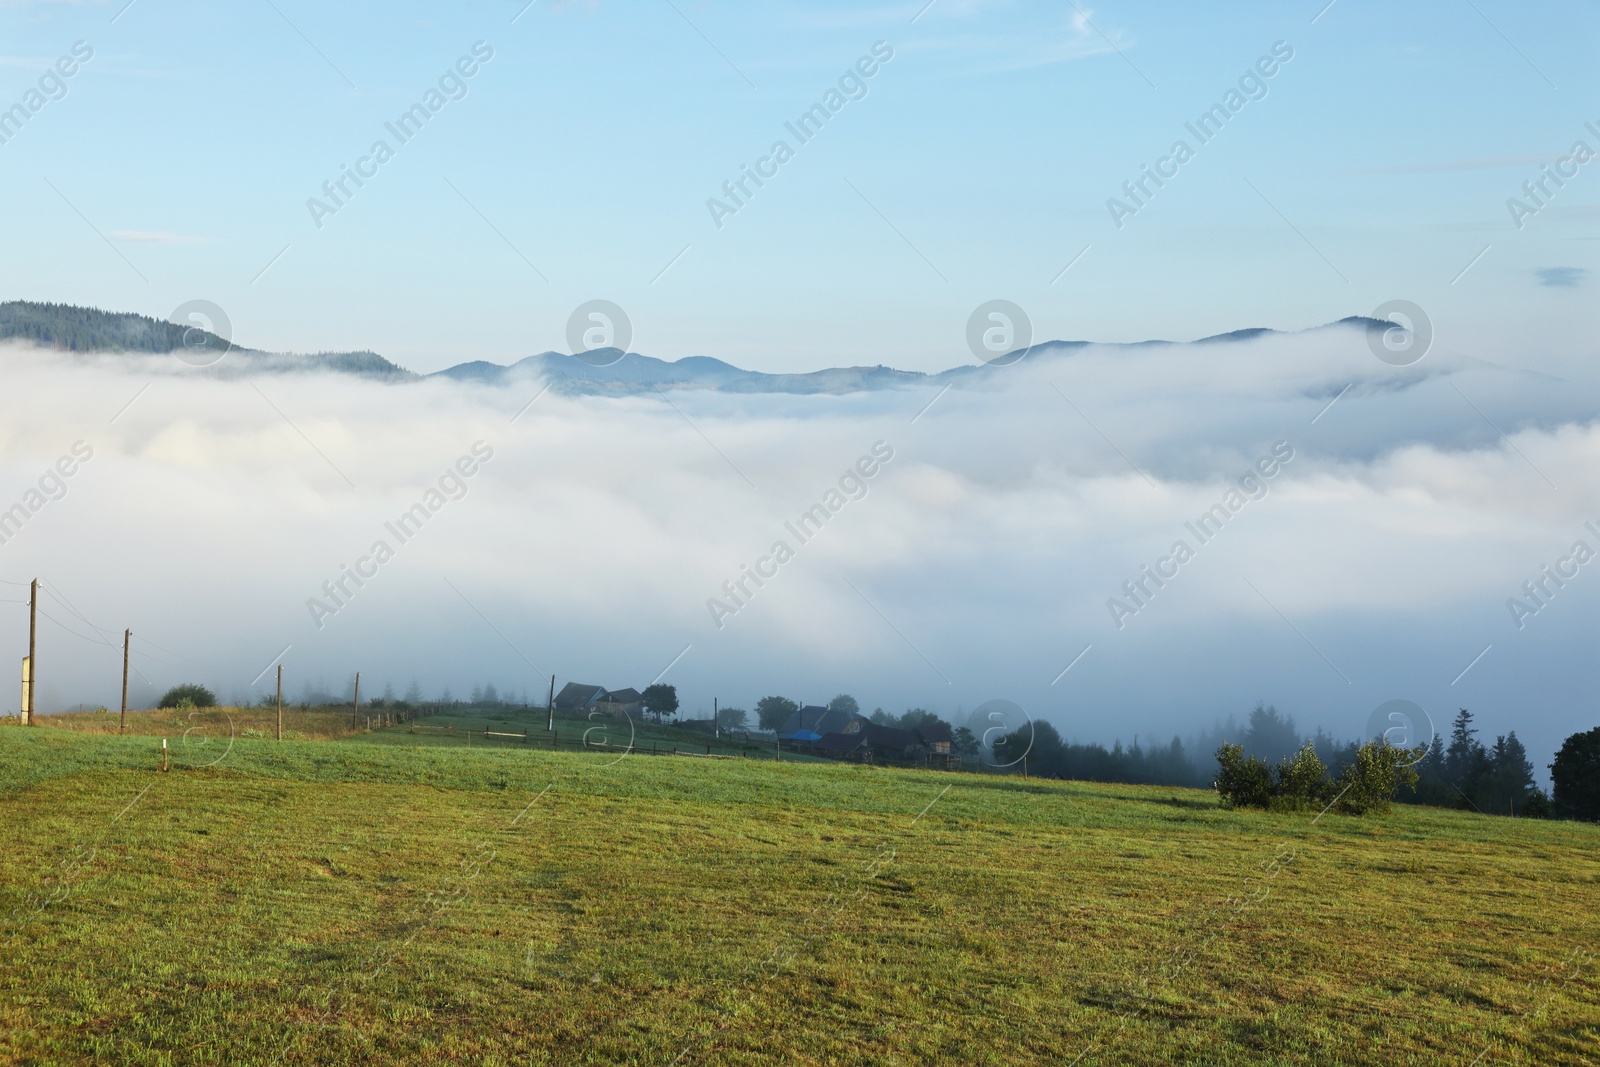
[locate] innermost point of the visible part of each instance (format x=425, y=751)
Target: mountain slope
x=69, y=328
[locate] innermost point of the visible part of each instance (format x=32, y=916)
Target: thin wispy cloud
x=1455, y=165
x=1562, y=277
x=156, y=237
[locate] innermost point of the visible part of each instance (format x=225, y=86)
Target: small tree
x=733, y=718
x=1576, y=775
x=189, y=693
x=1380, y=769
x=773, y=712
x=1242, y=782
x=964, y=741
x=1302, y=781
x=661, y=700
x=846, y=703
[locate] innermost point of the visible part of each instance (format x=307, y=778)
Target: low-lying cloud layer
x=592, y=536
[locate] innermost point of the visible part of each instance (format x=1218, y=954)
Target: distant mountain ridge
x=71, y=328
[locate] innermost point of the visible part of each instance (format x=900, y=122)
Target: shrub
x=194, y=695
x=1242, y=782
x=1370, y=783
x=1302, y=781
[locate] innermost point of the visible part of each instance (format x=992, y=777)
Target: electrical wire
x=91, y=640
x=50, y=587
x=70, y=630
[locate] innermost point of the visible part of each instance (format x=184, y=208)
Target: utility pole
x=33, y=635
x=355, y=716
x=716, y=719
x=280, y=702
x=550, y=723
x=127, y=639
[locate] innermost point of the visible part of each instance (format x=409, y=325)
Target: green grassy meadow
x=390, y=898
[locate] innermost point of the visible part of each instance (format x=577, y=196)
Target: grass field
x=368, y=900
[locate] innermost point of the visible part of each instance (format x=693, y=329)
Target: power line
x=61, y=598
x=90, y=640
x=70, y=630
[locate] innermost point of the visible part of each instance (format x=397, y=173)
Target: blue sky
x=977, y=166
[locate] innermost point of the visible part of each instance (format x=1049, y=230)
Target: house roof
x=811, y=723
x=577, y=695
x=623, y=696
x=934, y=732
x=888, y=737
x=840, y=743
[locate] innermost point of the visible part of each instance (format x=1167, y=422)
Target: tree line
x=1274, y=765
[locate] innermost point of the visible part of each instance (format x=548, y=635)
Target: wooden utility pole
x=550, y=707
x=716, y=725
x=280, y=702
x=33, y=657
x=127, y=639
x=355, y=716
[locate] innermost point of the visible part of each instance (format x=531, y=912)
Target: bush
x=194, y=695
x=1242, y=782
x=1302, y=781
x=1379, y=770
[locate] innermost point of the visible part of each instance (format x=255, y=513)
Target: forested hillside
x=69, y=328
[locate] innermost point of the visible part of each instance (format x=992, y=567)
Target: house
x=628, y=702
x=867, y=741
x=937, y=737
x=811, y=723
x=575, y=696
x=842, y=746
x=890, y=743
